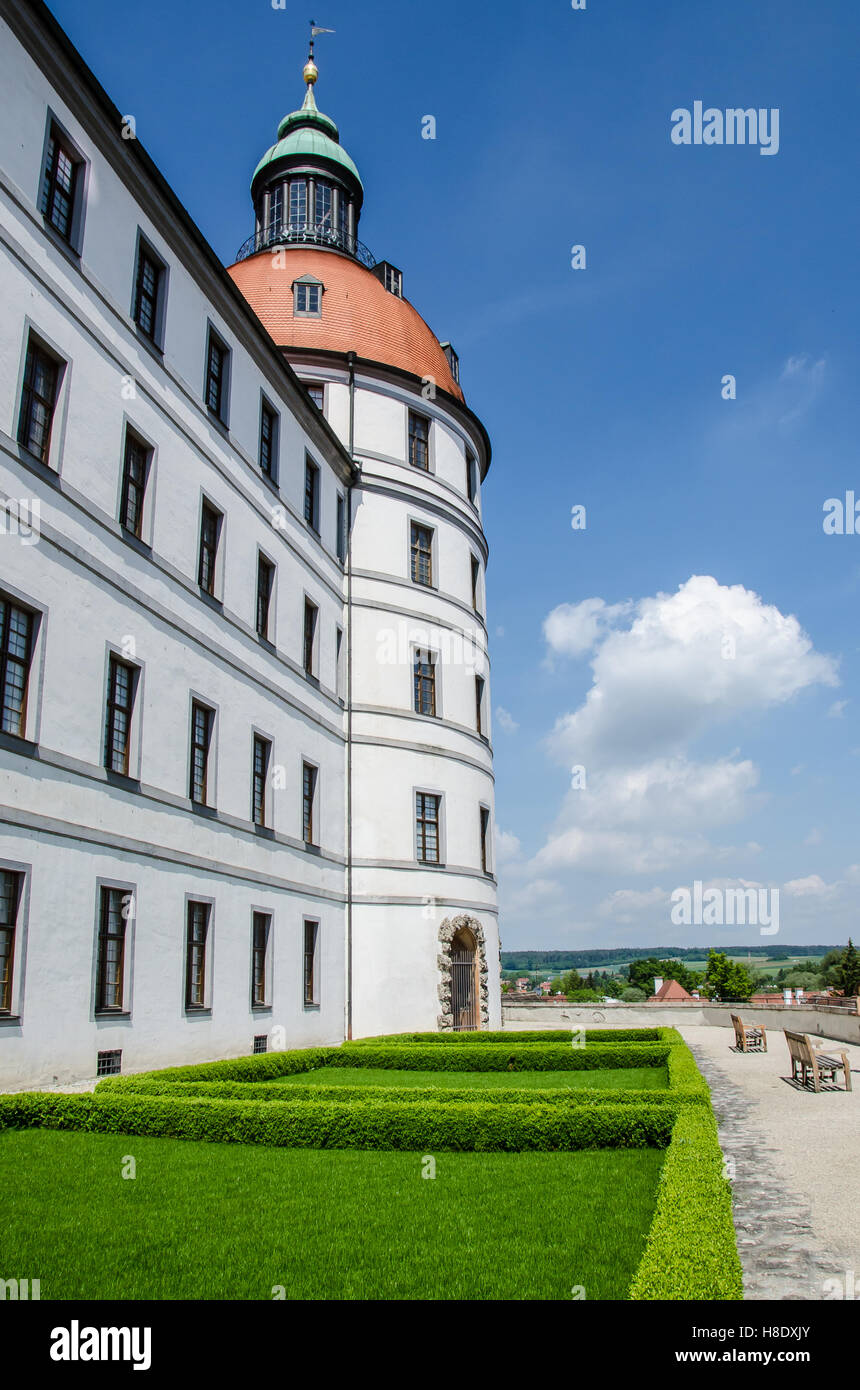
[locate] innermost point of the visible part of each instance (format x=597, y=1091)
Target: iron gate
x=463, y=994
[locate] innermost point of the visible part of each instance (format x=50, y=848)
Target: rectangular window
x=16, y=651
x=201, y=740
x=316, y=391
x=265, y=583
x=427, y=827
x=312, y=499
x=309, y=791
x=109, y=1063
x=338, y=661
x=476, y=585
x=479, y=704
x=147, y=291
x=308, y=299
x=10, y=897
x=471, y=478
x=309, y=637
x=310, y=970
x=322, y=207
x=259, y=962
x=393, y=281
x=419, y=441
x=111, y=960
x=261, y=1042
x=135, y=469
x=424, y=680
x=38, y=400
x=298, y=204
x=197, y=932
x=60, y=184
x=268, y=440
x=210, y=529
x=259, y=778
x=340, y=538
x=485, y=840
x=422, y=555
x=276, y=210
x=120, y=702
x=217, y=359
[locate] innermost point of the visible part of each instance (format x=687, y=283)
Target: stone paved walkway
x=796, y=1160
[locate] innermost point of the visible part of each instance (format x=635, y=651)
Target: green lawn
x=213, y=1221
x=624, y=1079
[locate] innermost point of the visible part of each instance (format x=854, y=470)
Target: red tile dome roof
x=358, y=314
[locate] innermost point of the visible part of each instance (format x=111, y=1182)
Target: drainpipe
x=351, y=365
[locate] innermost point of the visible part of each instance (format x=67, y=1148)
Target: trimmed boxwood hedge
x=510, y=1035
x=259, y=1067
x=512, y=1057
x=691, y=1251
x=503, y=1095
x=425, y=1126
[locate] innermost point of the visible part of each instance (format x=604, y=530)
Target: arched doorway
x=464, y=981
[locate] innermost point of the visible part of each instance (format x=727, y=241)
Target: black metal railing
x=280, y=234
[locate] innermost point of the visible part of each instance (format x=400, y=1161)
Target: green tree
x=584, y=996
x=830, y=968
x=727, y=979
x=571, y=981
x=631, y=995
x=849, y=970
x=611, y=986
x=801, y=979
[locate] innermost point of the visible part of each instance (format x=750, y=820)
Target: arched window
x=464, y=981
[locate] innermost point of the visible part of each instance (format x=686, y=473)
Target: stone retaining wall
x=825, y=1021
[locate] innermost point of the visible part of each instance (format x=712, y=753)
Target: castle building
x=247, y=785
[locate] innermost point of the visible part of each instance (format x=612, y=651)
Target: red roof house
x=670, y=992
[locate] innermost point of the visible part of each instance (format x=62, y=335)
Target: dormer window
x=307, y=297
x=453, y=361
x=390, y=276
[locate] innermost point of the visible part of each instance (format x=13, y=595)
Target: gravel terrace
x=796, y=1166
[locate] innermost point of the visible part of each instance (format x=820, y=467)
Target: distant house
x=523, y=983
x=546, y=986
x=670, y=992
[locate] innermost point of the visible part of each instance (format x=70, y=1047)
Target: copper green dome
x=310, y=134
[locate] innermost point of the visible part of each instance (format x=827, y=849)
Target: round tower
x=423, y=940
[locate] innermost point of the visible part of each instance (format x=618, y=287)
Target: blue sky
x=702, y=658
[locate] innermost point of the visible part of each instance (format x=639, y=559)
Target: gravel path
x=796, y=1158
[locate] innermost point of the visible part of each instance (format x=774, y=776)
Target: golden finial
x=311, y=71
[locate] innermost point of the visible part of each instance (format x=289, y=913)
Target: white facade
x=70, y=827
x=399, y=904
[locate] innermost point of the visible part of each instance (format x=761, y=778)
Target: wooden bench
x=806, y=1060
x=749, y=1035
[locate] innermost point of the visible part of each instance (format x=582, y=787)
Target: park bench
x=749, y=1035
x=806, y=1059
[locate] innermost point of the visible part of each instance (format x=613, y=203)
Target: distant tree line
x=722, y=979
x=603, y=956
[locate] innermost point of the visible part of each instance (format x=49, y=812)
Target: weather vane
x=317, y=29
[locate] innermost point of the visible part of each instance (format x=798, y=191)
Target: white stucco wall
x=65, y=824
